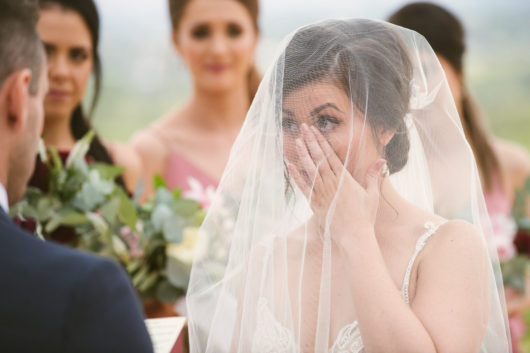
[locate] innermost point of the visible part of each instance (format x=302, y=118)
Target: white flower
x=180, y=256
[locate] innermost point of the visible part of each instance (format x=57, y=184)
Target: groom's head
x=23, y=85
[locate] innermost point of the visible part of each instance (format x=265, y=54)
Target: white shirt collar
x=4, y=204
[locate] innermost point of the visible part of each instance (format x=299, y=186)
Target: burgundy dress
x=39, y=180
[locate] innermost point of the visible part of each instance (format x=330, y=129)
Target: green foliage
x=106, y=221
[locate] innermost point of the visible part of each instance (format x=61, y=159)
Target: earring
x=384, y=171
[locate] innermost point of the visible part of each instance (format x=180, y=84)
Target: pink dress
x=183, y=174
x=504, y=228
x=179, y=170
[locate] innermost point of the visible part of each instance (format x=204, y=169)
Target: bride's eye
x=290, y=126
x=326, y=123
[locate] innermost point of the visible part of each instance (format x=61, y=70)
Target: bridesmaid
x=217, y=41
x=503, y=166
x=69, y=30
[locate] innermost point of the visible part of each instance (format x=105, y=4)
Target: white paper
x=164, y=332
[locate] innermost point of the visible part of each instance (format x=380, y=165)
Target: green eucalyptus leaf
x=138, y=191
x=139, y=277
x=166, y=292
x=173, y=229
x=159, y=182
x=185, y=208
x=56, y=162
x=65, y=217
x=133, y=266
x=119, y=246
x=98, y=222
x=177, y=193
x=107, y=171
x=163, y=196
x=161, y=214
x=88, y=198
x=148, y=282
x=110, y=210
x=126, y=210
x=80, y=149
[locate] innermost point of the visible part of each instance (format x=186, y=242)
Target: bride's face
x=329, y=109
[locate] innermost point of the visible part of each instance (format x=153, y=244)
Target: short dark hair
x=20, y=46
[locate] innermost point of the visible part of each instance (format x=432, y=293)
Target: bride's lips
x=217, y=68
x=58, y=94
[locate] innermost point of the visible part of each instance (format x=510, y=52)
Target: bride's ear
x=385, y=135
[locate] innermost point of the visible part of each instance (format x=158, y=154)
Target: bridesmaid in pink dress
x=189, y=146
x=504, y=166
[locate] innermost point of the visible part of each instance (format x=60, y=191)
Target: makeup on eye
x=200, y=31
x=79, y=54
x=325, y=123
x=234, y=30
x=322, y=119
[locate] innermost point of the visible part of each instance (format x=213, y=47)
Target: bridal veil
x=262, y=279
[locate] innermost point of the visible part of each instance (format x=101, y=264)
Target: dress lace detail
x=431, y=229
x=272, y=337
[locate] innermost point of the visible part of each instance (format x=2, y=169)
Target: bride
x=350, y=216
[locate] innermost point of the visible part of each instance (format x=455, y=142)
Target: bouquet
x=153, y=241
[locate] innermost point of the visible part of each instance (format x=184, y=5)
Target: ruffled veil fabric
x=261, y=280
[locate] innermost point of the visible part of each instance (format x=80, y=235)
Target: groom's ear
x=14, y=96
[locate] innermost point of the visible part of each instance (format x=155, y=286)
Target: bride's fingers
x=299, y=180
x=333, y=160
x=307, y=165
x=316, y=153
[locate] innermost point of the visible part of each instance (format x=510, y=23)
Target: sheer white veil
x=257, y=274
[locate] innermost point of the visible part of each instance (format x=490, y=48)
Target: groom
x=52, y=299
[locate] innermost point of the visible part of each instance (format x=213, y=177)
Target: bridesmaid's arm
x=153, y=158
x=124, y=156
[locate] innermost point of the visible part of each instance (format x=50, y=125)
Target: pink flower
x=133, y=241
x=204, y=196
x=504, y=229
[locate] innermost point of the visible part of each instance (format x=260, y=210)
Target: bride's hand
x=321, y=176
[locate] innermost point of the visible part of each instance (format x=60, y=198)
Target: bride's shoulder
x=456, y=240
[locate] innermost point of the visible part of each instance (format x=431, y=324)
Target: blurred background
x=143, y=77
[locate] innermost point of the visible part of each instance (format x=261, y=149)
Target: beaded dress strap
x=431, y=229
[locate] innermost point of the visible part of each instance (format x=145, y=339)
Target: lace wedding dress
x=272, y=337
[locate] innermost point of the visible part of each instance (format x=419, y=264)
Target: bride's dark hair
x=368, y=61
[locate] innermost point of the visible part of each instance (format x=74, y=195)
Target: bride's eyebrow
x=324, y=106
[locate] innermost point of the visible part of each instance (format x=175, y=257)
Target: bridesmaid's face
x=68, y=45
x=329, y=110
x=217, y=40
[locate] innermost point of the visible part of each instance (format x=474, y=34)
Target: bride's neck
x=391, y=205
x=218, y=110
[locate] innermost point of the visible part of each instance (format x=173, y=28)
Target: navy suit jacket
x=55, y=299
